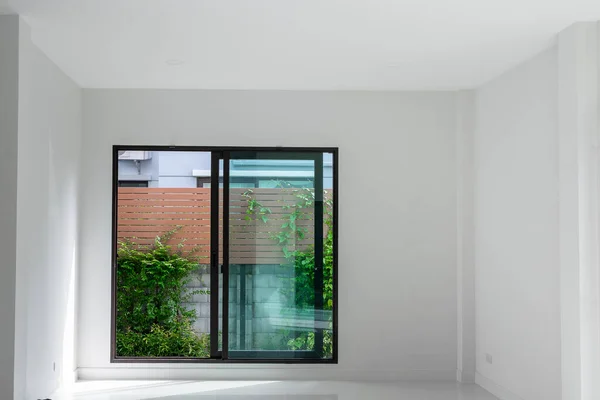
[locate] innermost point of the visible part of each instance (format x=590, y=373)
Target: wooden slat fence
x=144, y=213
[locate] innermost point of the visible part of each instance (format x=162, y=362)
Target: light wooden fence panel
x=145, y=213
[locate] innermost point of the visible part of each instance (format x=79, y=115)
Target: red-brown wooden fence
x=144, y=213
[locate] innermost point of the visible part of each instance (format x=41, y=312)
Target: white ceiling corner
x=295, y=45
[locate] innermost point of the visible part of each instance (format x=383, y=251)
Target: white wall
x=465, y=256
x=9, y=70
x=397, y=268
x=516, y=232
x=579, y=161
x=47, y=218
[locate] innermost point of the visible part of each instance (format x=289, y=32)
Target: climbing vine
x=303, y=260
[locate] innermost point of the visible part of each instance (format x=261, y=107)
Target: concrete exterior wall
x=166, y=168
x=265, y=299
x=175, y=169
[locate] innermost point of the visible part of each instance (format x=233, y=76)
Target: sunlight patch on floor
x=157, y=388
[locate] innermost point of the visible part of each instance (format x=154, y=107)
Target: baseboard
x=499, y=391
x=465, y=376
x=315, y=373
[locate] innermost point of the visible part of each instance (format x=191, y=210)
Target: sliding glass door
x=279, y=216
x=259, y=234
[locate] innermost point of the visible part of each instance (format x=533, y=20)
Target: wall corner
x=465, y=260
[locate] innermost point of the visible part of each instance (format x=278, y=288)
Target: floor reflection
x=276, y=390
x=205, y=396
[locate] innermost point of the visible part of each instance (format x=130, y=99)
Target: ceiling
x=295, y=44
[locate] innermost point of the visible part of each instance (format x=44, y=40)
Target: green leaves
x=265, y=210
x=161, y=342
x=254, y=207
x=151, y=290
x=306, y=341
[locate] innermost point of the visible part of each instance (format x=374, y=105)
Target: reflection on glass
x=280, y=256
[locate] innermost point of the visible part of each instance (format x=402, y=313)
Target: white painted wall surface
x=516, y=232
x=465, y=257
x=579, y=73
x=397, y=265
x=9, y=71
x=47, y=217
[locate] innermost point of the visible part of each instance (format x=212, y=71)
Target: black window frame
x=223, y=150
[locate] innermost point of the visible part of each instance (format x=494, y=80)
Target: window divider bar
x=226, y=184
x=214, y=255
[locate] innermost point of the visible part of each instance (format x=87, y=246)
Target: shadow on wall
x=51, y=275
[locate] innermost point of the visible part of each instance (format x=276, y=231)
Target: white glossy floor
x=229, y=390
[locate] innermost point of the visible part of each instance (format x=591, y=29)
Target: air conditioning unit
x=135, y=155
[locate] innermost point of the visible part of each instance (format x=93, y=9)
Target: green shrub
x=182, y=342
x=306, y=341
x=152, y=320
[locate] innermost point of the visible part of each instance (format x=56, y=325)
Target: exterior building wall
x=182, y=168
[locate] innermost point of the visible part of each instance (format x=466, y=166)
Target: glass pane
x=280, y=256
x=163, y=247
x=328, y=255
